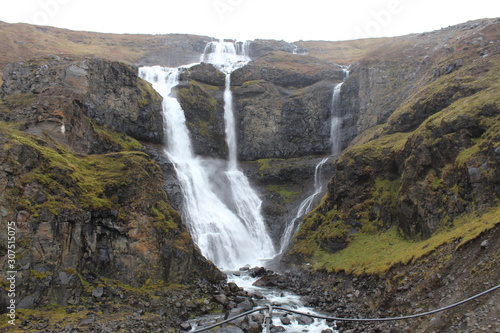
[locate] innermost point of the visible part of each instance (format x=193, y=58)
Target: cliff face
x=430, y=156
x=87, y=201
x=282, y=105
x=86, y=86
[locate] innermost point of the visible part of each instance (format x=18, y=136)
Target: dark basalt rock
x=108, y=92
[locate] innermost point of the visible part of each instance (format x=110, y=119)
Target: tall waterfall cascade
x=335, y=142
x=226, y=223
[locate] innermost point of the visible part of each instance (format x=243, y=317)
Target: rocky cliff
x=93, y=223
x=426, y=163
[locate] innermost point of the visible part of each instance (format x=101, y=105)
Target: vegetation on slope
x=427, y=177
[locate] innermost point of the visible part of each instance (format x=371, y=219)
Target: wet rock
x=233, y=329
x=186, y=326
x=86, y=322
x=258, y=271
x=285, y=320
x=233, y=313
x=98, y=292
x=257, y=317
x=257, y=295
x=246, y=305
x=222, y=299
x=233, y=287
x=305, y=320
x=277, y=329
x=253, y=327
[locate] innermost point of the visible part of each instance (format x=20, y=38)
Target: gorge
x=369, y=167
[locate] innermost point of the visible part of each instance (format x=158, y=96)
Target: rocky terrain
x=408, y=223
x=94, y=225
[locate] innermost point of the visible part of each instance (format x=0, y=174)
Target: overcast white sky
x=288, y=20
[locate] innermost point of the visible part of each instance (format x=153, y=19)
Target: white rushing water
x=224, y=236
x=282, y=298
x=225, y=223
x=227, y=57
x=336, y=121
x=304, y=207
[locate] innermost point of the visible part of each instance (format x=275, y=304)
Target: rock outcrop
x=201, y=97
x=87, y=86
x=91, y=216
x=282, y=107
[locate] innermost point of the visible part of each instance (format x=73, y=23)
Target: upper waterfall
x=226, y=56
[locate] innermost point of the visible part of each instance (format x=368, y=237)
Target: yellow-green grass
x=58, y=315
x=70, y=179
x=376, y=254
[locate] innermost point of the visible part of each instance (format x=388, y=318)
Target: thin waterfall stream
x=335, y=142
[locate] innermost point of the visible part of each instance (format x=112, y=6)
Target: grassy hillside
x=427, y=177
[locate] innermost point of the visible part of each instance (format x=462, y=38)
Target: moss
x=287, y=193
x=118, y=140
x=264, y=164
x=377, y=149
x=72, y=181
x=376, y=254
x=37, y=275
x=253, y=83
x=17, y=101
x=165, y=218
x=191, y=94
x=317, y=228
x=202, y=111
x=146, y=92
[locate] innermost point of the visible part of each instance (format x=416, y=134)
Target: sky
x=287, y=20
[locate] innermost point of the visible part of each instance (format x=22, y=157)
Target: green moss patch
x=376, y=254
x=287, y=193
x=72, y=181
x=118, y=140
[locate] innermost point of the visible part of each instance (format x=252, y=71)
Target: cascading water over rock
x=227, y=57
x=335, y=140
x=336, y=119
x=228, y=228
x=305, y=207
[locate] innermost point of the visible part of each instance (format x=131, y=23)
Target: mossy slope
x=426, y=177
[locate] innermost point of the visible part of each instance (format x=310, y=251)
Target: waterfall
x=305, y=207
x=336, y=122
x=335, y=142
x=231, y=238
x=227, y=57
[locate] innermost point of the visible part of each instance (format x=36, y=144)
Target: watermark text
x=11, y=272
